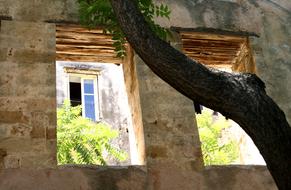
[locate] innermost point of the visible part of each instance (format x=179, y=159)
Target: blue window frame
x=89, y=98
x=89, y=95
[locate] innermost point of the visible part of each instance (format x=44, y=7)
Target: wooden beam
x=75, y=43
x=82, y=71
x=87, y=58
x=212, y=49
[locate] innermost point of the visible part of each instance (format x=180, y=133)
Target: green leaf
x=99, y=12
x=214, y=151
x=81, y=141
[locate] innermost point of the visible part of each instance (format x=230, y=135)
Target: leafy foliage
x=216, y=150
x=81, y=141
x=100, y=13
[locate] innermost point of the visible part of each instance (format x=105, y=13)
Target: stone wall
x=74, y=178
x=173, y=155
x=171, y=137
x=39, y=11
x=27, y=95
x=237, y=178
x=134, y=178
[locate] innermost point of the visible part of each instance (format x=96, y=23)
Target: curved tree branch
x=241, y=97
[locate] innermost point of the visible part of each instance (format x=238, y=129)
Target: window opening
x=230, y=53
x=218, y=145
x=90, y=75
x=83, y=91
x=75, y=94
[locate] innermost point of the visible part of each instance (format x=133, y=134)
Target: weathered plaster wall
x=27, y=95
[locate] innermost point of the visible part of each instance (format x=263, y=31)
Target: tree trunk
x=241, y=97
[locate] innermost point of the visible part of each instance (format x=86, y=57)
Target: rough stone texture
x=27, y=99
x=171, y=137
x=77, y=178
x=135, y=178
x=238, y=178
x=40, y=10
x=27, y=96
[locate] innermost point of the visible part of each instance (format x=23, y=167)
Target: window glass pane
x=89, y=86
x=89, y=107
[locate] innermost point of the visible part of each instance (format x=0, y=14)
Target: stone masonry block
x=168, y=119
x=51, y=133
x=3, y=153
x=13, y=117
x=27, y=104
x=27, y=35
x=12, y=161
x=17, y=145
x=31, y=56
x=42, y=160
x=42, y=91
x=3, y=53
x=40, y=122
x=4, y=130
x=157, y=151
x=20, y=130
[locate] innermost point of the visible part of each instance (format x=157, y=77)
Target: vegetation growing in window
x=216, y=148
x=82, y=141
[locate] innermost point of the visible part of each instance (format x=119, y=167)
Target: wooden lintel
x=76, y=43
x=82, y=71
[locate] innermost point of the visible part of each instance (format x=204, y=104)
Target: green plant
x=216, y=149
x=100, y=13
x=82, y=141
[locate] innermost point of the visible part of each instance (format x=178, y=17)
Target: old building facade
x=164, y=136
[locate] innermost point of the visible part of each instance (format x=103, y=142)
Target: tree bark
x=241, y=97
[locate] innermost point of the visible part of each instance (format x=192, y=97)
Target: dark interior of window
x=75, y=94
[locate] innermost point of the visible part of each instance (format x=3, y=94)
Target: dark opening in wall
x=75, y=94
